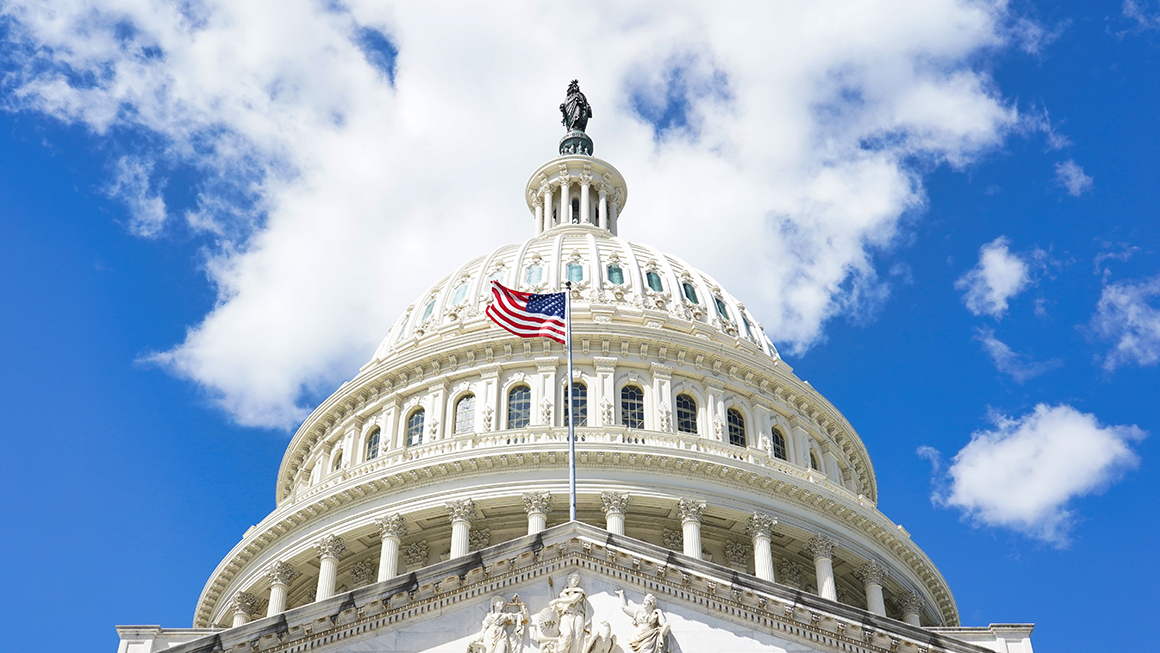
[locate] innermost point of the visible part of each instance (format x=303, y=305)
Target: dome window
x=814, y=462
x=722, y=310
x=632, y=407
x=736, y=427
x=654, y=281
x=535, y=273
x=496, y=276
x=415, y=428
x=337, y=461
x=690, y=292
x=430, y=308
x=465, y=414
x=519, y=407
x=373, y=445
x=575, y=272
x=777, y=443
x=615, y=275
x=686, y=414
x=580, y=400
x=459, y=295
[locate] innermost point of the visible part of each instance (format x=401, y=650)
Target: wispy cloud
x=999, y=275
x=1126, y=317
x=306, y=123
x=1139, y=13
x=1025, y=472
x=1018, y=366
x=132, y=185
x=1070, y=175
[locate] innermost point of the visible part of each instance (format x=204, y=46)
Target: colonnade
x=537, y=505
x=559, y=192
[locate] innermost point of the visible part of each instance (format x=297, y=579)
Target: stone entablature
x=713, y=590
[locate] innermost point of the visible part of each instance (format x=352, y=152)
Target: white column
x=281, y=574
x=391, y=530
x=462, y=513
x=910, y=604
x=548, y=221
x=538, y=203
x=690, y=513
x=243, y=604
x=537, y=505
x=602, y=208
x=761, y=530
x=565, y=203
x=330, y=549
x=872, y=576
x=822, y=548
x=585, y=207
x=612, y=217
x=615, y=504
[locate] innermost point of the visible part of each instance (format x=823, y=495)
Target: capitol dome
x=706, y=472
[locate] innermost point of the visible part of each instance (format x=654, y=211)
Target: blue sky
x=943, y=215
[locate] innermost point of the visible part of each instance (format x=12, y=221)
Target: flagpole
x=571, y=407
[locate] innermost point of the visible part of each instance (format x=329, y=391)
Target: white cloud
x=131, y=183
x=999, y=276
x=1018, y=366
x=1138, y=12
x=1025, y=472
x=1070, y=175
x=332, y=195
x=1126, y=317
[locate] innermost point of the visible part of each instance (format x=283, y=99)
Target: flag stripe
x=509, y=310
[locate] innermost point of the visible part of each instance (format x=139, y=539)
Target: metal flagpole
x=571, y=407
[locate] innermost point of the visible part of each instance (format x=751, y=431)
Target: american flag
x=528, y=315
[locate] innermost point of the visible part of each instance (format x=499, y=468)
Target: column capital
x=760, y=525
x=331, y=546
x=392, y=526
x=909, y=602
x=462, y=510
x=244, y=603
x=540, y=502
x=614, y=502
x=690, y=510
x=821, y=547
x=282, y=573
x=872, y=573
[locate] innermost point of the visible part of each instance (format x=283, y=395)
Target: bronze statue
x=575, y=109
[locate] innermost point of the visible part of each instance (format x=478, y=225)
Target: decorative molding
x=614, y=502
x=244, y=603
x=392, y=526
x=673, y=539
x=690, y=510
x=738, y=553
x=760, y=525
x=282, y=573
x=462, y=510
x=790, y=573
x=872, y=573
x=331, y=546
x=415, y=554
x=540, y=502
x=362, y=573
x=909, y=602
x=479, y=539
x=821, y=546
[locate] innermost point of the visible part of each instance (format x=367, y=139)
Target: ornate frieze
x=416, y=554
x=479, y=539
x=674, y=540
x=362, y=573
x=790, y=573
x=462, y=510
x=331, y=546
x=821, y=546
x=738, y=553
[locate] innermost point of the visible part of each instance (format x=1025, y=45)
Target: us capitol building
x=723, y=504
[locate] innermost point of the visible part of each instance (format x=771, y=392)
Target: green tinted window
x=535, y=273
x=690, y=292
x=615, y=275
x=575, y=272
x=654, y=281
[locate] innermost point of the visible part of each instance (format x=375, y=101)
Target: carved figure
x=575, y=109
x=547, y=630
x=603, y=641
x=572, y=615
x=652, y=631
x=503, y=628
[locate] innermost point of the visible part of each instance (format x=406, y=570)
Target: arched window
x=686, y=414
x=615, y=275
x=690, y=292
x=535, y=273
x=576, y=218
x=632, y=407
x=428, y=310
x=814, y=462
x=519, y=407
x=736, y=427
x=373, y=445
x=580, y=400
x=415, y=428
x=465, y=414
x=778, y=442
x=722, y=310
x=654, y=281
x=459, y=295
x=497, y=276
x=337, y=461
x=575, y=272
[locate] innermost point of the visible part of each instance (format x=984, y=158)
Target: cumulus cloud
x=1018, y=366
x=1126, y=317
x=1070, y=175
x=999, y=276
x=348, y=153
x=1025, y=472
